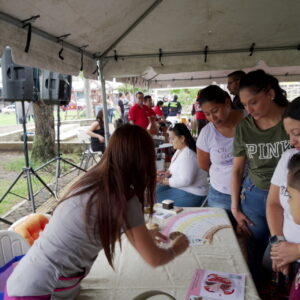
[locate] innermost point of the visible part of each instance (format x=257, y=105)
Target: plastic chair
x=12, y=248
x=87, y=153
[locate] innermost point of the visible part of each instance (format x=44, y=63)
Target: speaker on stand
x=56, y=89
x=19, y=85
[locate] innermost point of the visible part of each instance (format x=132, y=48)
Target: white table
x=133, y=276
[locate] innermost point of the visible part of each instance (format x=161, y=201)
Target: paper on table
x=199, y=225
x=162, y=214
x=207, y=284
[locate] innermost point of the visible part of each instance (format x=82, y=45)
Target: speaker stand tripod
x=58, y=159
x=27, y=172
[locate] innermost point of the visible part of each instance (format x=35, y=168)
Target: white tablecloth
x=133, y=276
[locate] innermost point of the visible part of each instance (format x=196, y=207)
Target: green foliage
x=185, y=96
x=17, y=165
x=10, y=119
x=129, y=88
x=20, y=189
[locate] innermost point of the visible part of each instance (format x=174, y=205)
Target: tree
x=186, y=96
x=133, y=90
x=43, y=148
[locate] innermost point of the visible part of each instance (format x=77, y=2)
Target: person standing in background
x=200, y=115
x=121, y=106
x=153, y=126
x=174, y=107
x=233, y=85
x=139, y=113
x=165, y=107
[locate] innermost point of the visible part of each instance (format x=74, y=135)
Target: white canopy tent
x=136, y=30
x=155, y=43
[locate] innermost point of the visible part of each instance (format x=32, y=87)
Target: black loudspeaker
x=18, y=81
x=56, y=88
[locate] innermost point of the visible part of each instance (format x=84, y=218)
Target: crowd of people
x=246, y=160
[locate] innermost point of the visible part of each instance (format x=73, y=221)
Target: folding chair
x=87, y=153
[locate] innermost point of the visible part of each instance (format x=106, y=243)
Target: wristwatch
x=275, y=239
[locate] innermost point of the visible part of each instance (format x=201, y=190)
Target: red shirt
x=200, y=115
x=158, y=111
x=139, y=115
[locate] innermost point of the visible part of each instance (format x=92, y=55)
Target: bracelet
x=172, y=251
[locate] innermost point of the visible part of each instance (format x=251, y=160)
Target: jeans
x=181, y=198
x=222, y=200
x=110, y=113
x=253, y=205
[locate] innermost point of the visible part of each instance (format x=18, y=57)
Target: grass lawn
x=10, y=119
x=15, y=167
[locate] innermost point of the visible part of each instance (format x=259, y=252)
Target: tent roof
x=128, y=34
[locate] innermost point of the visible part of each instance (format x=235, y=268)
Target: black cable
x=28, y=36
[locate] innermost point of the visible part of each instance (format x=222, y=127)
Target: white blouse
x=186, y=174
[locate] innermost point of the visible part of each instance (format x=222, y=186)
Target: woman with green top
x=260, y=139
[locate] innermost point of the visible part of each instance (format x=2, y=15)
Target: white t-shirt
x=219, y=148
x=186, y=174
x=291, y=230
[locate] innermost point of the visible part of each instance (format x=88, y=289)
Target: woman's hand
x=158, y=236
x=284, y=253
x=168, y=174
x=242, y=221
x=160, y=178
x=283, y=269
x=101, y=139
x=180, y=244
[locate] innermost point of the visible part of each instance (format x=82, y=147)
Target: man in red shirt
x=139, y=114
x=153, y=126
x=158, y=110
x=200, y=116
x=161, y=118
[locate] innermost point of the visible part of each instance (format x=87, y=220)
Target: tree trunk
x=44, y=140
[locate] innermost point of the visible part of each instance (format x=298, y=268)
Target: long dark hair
x=180, y=129
x=294, y=172
x=259, y=81
x=293, y=110
x=127, y=168
x=215, y=94
x=99, y=118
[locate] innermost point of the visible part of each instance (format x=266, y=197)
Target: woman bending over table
x=184, y=182
x=105, y=202
x=259, y=141
x=214, y=145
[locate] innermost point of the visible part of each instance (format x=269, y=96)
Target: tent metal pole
x=103, y=88
x=201, y=52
